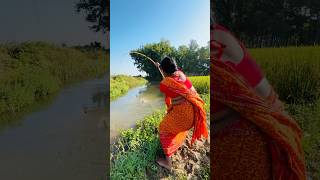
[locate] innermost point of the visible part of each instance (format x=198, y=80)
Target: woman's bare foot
x=164, y=162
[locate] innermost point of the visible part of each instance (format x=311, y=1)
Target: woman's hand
x=193, y=90
x=157, y=64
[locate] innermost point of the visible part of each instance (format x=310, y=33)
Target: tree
x=97, y=13
x=270, y=23
x=155, y=51
x=193, y=60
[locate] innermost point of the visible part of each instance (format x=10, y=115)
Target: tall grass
x=120, y=84
x=294, y=71
x=201, y=83
x=32, y=71
x=134, y=153
x=308, y=116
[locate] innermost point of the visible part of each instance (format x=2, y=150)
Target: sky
x=45, y=20
x=134, y=23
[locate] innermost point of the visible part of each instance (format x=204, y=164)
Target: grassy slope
x=295, y=74
x=120, y=85
x=32, y=72
x=135, y=152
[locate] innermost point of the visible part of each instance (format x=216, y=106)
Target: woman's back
x=180, y=77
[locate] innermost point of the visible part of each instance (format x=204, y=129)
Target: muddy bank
x=191, y=162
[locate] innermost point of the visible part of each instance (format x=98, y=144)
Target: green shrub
x=136, y=149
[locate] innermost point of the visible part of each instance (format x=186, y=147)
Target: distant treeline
x=93, y=46
x=273, y=23
x=32, y=71
x=192, y=59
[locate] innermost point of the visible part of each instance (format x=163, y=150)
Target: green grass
x=293, y=71
x=31, y=72
x=295, y=74
x=120, y=85
x=308, y=117
x=201, y=83
x=134, y=153
x=136, y=149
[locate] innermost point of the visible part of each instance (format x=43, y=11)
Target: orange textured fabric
x=281, y=133
x=240, y=151
x=182, y=117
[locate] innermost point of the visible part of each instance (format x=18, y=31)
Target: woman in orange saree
x=184, y=111
x=253, y=137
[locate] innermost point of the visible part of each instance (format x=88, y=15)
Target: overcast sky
x=45, y=20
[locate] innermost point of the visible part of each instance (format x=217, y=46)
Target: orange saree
x=264, y=144
x=181, y=117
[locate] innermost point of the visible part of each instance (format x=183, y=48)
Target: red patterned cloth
x=264, y=142
x=247, y=67
x=268, y=144
x=181, y=118
x=171, y=94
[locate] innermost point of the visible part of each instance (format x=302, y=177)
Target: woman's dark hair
x=168, y=65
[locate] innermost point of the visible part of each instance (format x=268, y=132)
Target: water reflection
x=61, y=141
x=137, y=103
